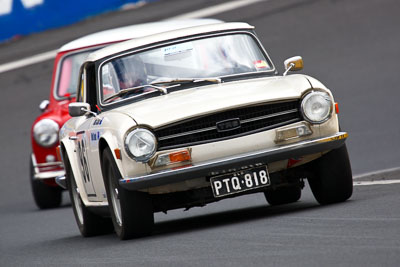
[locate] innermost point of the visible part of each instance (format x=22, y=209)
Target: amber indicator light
x=179, y=156
x=117, y=152
x=58, y=153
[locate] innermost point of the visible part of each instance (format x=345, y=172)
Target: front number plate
x=240, y=181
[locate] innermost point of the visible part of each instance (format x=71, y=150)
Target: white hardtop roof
x=133, y=31
x=165, y=36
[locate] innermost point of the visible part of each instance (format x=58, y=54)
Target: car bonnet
x=194, y=102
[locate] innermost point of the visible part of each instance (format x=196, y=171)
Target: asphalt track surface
x=351, y=46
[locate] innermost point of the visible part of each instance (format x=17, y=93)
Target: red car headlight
x=45, y=132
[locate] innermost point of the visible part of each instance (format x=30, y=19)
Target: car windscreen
x=190, y=60
x=68, y=74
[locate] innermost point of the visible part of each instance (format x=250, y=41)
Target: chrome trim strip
x=187, y=133
x=49, y=164
x=34, y=163
x=48, y=175
x=270, y=115
x=241, y=121
x=273, y=126
x=61, y=181
x=43, y=174
x=204, y=169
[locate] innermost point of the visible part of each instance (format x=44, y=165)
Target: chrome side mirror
x=293, y=64
x=43, y=105
x=78, y=109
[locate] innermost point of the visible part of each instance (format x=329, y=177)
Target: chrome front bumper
x=207, y=168
x=46, y=170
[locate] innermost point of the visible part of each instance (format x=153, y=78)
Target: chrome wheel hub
x=77, y=202
x=115, y=201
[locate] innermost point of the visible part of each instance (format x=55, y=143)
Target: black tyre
x=89, y=224
x=45, y=196
x=283, y=195
x=131, y=211
x=332, y=181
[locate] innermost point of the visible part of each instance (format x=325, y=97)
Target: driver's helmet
x=131, y=72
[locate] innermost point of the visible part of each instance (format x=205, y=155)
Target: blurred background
x=351, y=46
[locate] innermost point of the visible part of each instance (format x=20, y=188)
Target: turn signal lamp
x=173, y=157
x=179, y=156
x=337, y=108
x=117, y=153
x=58, y=153
x=292, y=132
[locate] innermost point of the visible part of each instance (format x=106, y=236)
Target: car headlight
x=140, y=144
x=45, y=132
x=316, y=107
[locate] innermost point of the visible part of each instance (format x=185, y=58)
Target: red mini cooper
x=44, y=166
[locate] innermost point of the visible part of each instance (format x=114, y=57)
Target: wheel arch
x=109, y=141
x=67, y=150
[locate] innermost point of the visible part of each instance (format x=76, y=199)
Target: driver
x=132, y=72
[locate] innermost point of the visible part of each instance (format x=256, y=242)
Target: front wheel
x=332, y=181
x=131, y=211
x=89, y=224
x=45, y=196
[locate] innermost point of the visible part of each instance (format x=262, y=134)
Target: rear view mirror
x=78, y=109
x=293, y=64
x=43, y=105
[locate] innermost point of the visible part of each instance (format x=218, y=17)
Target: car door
x=82, y=142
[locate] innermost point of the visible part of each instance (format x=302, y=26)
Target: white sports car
x=192, y=116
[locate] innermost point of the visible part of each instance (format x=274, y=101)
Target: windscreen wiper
x=188, y=80
x=131, y=90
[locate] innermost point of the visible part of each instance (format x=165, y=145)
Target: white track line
x=28, y=61
x=385, y=172
x=205, y=12
x=382, y=182
x=210, y=11
x=381, y=177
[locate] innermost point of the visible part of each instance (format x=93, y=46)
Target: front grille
x=204, y=129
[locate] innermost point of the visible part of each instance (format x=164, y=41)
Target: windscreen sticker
x=260, y=64
x=177, y=49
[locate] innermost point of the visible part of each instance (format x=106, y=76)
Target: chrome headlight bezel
x=143, y=135
x=45, y=132
x=326, y=102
